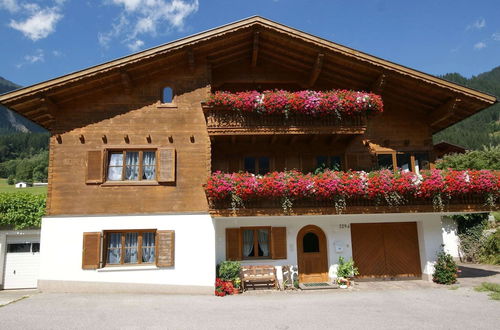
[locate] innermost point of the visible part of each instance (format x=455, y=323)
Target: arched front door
x=311, y=255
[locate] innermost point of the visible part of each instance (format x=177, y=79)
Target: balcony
x=328, y=193
x=222, y=121
x=282, y=112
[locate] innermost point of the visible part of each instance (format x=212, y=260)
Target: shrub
x=445, y=270
x=490, y=249
x=346, y=269
x=21, y=210
x=11, y=180
x=229, y=270
x=223, y=288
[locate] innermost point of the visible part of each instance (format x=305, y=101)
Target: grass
x=492, y=288
x=5, y=188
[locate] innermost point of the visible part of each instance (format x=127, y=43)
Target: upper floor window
x=168, y=95
x=132, y=165
x=405, y=161
x=328, y=162
x=257, y=165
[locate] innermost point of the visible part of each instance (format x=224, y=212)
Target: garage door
x=386, y=249
x=22, y=263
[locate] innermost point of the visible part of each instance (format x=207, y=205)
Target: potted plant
x=345, y=271
x=229, y=272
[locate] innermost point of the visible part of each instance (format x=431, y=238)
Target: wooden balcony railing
x=269, y=207
x=229, y=122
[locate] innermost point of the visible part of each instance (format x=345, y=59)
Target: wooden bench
x=252, y=275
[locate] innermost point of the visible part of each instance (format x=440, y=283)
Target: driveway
x=393, y=308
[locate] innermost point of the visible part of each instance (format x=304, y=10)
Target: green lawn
x=4, y=187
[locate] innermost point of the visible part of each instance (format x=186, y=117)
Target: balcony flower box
x=382, y=188
x=339, y=103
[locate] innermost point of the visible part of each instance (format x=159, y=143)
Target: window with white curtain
x=132, y=165
x=256, y=242
x=130, y=247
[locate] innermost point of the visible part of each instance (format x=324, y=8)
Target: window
x=130, y=247
x=330, y=162
x=168, y=95
x=132, y=165
x=256, y=242
x=406, y=161
x=257, y=165
x=310, y=243
x=23, y=247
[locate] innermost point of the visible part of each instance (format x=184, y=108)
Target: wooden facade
x=118, y=107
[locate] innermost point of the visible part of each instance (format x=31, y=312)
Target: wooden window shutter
x=95, y=168
x=166, y=164
x=166, y=248
x=233, y=244
x=91, y=254
x=278, y=242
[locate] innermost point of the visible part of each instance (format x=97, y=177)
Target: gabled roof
x=446, y=102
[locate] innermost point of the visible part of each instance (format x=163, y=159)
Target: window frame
x=256, y=242
x=411, y=154
x=257, y=162
x=123, y=233
x=124, y=152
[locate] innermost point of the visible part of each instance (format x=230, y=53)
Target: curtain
x=148, y=247
x=114, y=248
x=264, y=241
x=148, y=165
x=131, y=248
x=132, y=163
x=115, y=167
x=247, y=243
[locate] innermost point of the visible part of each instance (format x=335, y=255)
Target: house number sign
x=344, y=226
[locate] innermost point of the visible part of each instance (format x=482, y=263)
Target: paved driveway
x=401, y=308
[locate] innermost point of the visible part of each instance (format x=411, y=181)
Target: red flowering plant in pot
x=306, y=102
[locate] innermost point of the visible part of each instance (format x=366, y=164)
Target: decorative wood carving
x=379, y=84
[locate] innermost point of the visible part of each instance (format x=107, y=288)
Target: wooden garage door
x=386, y=249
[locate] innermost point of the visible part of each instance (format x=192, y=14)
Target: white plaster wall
x=450, y=237
x=62, y=240
x=338, y=239
x=18, y=234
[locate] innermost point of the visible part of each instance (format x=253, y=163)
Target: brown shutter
x=166, y=248
x=233, y=245
x=278, y=242
x=91, y=253
x=94, y=166
x=166, y=163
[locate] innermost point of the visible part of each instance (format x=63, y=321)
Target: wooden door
x=312, y=255
x=386, y=250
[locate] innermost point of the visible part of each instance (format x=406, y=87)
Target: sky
x=44, y=39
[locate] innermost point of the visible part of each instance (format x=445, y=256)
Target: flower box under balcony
x=285, y=193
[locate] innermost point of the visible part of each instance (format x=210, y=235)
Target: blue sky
x=43, y=39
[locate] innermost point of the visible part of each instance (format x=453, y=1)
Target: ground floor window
x=130, y=247
x=256, y=242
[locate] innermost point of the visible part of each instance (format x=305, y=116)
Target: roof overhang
x=321, y=62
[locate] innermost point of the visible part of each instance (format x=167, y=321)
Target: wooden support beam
x=255, y=50
x=209, y=72
x=191, y=62
x=126, y=82
x=379, y=84
x=49, y=105
x=316, y=69
x=444, y=112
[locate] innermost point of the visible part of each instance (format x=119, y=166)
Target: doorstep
x=11, y=296
x=318, y=286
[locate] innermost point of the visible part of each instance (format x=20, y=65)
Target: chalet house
x=165, y=162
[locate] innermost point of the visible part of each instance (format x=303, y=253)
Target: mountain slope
x=11, y=122
x=481, y=129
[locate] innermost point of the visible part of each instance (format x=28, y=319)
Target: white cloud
x=57, y=53
x=9, y=5
x=477, y=25
x=496, y=36
x=135, y=45
x=480, y=45
x=147, y=17
x=39, y=56
x=32, y=20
